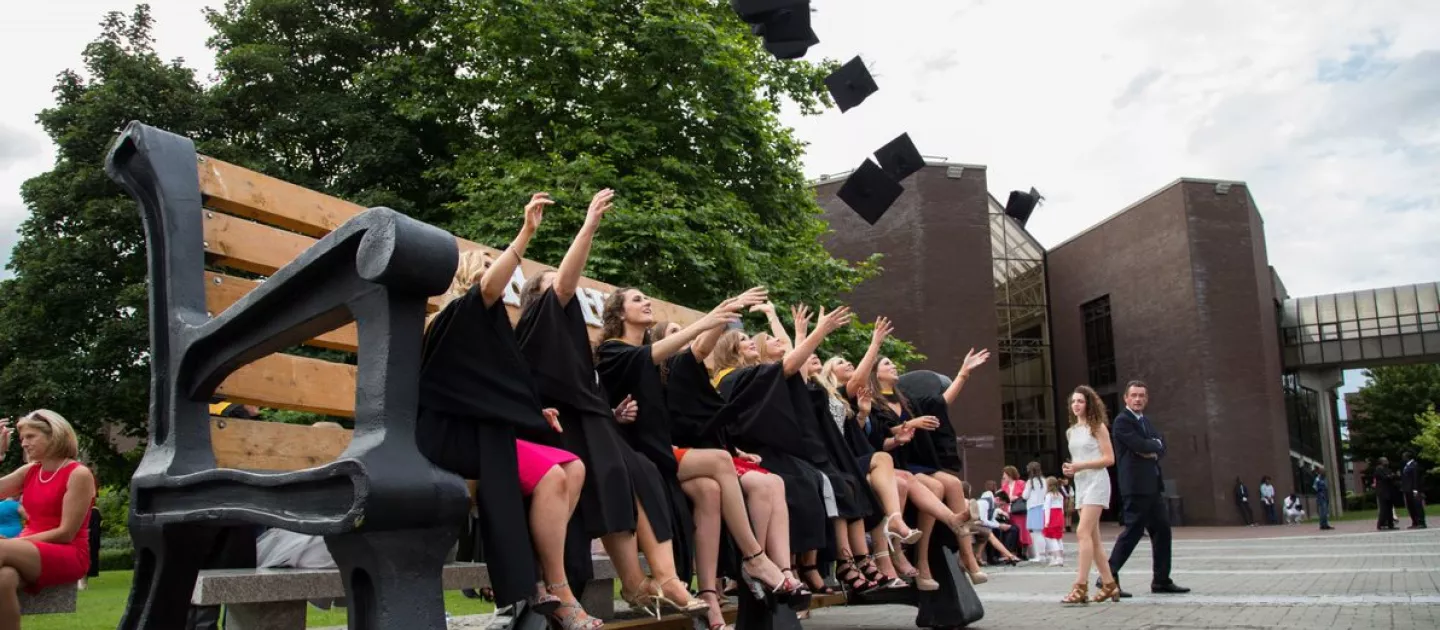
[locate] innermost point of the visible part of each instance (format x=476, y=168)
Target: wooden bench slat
x=250, y=246
x=284, y=381
x=246, y=193
x=222, y=290
x=274, y=446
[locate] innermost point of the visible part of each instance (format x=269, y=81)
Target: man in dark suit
x=1410, y=487
x=1138, y=450
x=1385, y=494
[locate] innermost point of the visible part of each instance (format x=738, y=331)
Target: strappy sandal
x=874, y=573
x=896, y=540
x=714, y=626
x=1079, y=594
x=850, y=573
x=576, y=620
x=788, y=586
x=1109, y=591
x=694, y=606
x=824, y=588
x=543, y=601
x=647, y=600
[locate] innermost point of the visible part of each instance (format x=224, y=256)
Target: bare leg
x=883, y=482
x=622, y=547
x=704, y=495
x=1090, y=521
x=551, y=506
x=718, y=465
x=9, y=599
x=661, y=556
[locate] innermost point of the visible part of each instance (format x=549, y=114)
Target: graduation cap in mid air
x=870, y=191
x=851, y=84
x=899, y=158
x=783, y=24
x=1021, y=204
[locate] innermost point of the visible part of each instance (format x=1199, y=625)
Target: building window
x=1099, y=341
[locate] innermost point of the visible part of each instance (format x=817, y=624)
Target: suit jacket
x=1410, y=477
x=1385, y=482
x=1138, y=475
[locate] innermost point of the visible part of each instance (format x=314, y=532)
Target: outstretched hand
x=883, y=328
x=973, y=360
x=800, y=313
x=553, y=417
x=599, y=205
x=928, y=423
x=832, y=321
x=765, y=307
x=535, y=210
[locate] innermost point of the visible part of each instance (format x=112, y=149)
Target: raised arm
x=829, y=322
x=568, y=280
x=492, y=284
x=727, y=312
x=777, y=327
x=861, y=376
x=705, y=343
x=972, y=360
x=800, y=315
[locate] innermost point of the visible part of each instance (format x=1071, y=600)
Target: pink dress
x=44, y=499
x=1016, y=490
x=536, y=460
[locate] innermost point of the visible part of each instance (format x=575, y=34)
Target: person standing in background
x=1242, y=503
x=1410, y=488
x=1322, y=498
x=1384, y=494
x=1267, y=500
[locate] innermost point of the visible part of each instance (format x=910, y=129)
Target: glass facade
x=1023, y=344
x=1361, y=326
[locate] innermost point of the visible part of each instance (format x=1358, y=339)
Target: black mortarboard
x=1021, y=204
x=753, y=11
x=787, y=31
x=870, y=192
x=899, y=158
x=851, y=84
x=791, y=50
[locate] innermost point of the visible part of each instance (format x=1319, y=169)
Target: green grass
x=100, y=606
x=1404, y=521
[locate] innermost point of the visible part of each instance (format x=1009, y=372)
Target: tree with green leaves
x=1392, y=401
x=452, y=111
x=1428, y=440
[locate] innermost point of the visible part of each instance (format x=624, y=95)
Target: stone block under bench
x=275, y=599
x=53, y=600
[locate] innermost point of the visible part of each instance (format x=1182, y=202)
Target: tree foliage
x=452, y=111
x=1391, y=403
x=1428, y=440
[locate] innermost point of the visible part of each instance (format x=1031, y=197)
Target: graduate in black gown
x=629, y=365
x=475, y=394
x=908, y=438
x=693, y=402
x=624, y=501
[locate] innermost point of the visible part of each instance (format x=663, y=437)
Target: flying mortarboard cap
x=1021, y=204
x=870, y=192
x=899, y=158
x=753, y=11
x=851, y=84
x=787, y=31
x=791, y=50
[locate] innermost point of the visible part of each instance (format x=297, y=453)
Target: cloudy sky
x=1329, y=109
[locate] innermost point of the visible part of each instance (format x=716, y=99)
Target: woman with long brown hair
x=629, y=366
x=1090, y=454
x=624, y=501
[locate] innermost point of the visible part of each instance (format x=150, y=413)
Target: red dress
x=60, y=563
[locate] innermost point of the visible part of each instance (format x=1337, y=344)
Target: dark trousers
x=1144, y=513
x=1386, y=517
x=1270, y=517
x=1322, y=505
x=1245, y=515
x=234, y=549
x=1415, y=509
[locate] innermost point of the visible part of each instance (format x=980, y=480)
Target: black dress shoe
x=1171, y=588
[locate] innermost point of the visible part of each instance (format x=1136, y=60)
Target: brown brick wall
x=936, y=287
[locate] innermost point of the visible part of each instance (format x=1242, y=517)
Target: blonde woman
x=1090, y=454
x=57, y=492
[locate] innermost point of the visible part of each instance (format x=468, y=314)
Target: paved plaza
x=1341, y=580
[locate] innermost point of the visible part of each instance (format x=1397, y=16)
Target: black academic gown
x=856, y=500
x=693, y=403
x=760, y=417
x=937, y=449
x=475, y=394
x=627, y=370
x=556, y=344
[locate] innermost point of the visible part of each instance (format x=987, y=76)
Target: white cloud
x=1096, y=104
x=1099, y=104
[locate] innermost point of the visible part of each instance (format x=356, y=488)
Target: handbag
x=1017, y=504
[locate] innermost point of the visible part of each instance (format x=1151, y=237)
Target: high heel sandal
x=896, y=539
x=718, y=604
x=1079, y=594
x=824, y=588
x=786, y=587
x=647, y=600
x=926, y=585
x=850, y=572
x=543, y=601
x=694, y=606
x=1109, y=591
x=577, y=620
x=876, y=575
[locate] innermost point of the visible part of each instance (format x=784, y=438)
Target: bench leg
x=267, y=616
x=393, y=578
x=166, y=564
x=754, y=614
x=955, y=605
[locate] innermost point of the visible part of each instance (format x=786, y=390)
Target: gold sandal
x=1079, y=594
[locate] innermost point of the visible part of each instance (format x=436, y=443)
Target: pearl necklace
x=41, y=474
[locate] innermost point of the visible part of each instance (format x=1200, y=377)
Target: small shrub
x=116, y=559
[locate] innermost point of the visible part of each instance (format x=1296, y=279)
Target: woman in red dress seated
x=57, y=492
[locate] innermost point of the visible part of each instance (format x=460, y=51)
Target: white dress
x=1092, y=486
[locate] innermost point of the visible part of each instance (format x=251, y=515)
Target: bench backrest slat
x=286, y=381
x=274, y=446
